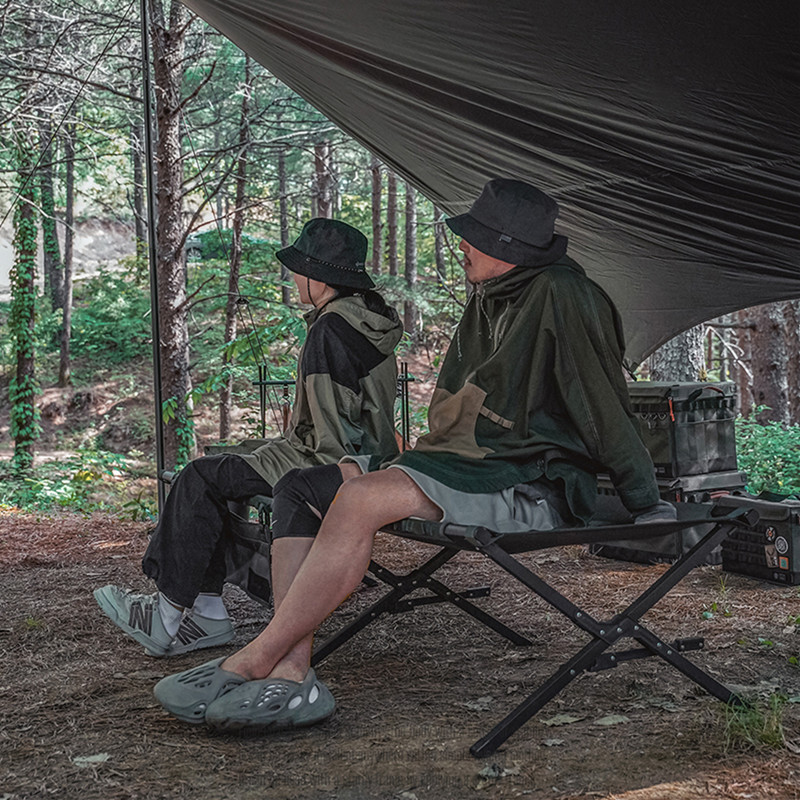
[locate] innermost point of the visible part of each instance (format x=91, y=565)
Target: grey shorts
x=527, y=506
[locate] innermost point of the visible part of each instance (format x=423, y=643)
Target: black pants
x=302, y=498
x=186, y=554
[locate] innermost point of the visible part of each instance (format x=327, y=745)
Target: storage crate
x=688, y=428
x=665, y=549
x=770, y=550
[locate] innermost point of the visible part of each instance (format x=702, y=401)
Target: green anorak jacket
x=531, y=387
x=345, y=392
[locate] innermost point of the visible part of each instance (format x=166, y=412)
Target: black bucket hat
x=512, y=221
x=330, y=251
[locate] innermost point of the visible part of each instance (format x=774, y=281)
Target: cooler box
x=770, y=550
x=685, y=489
x=688, y=428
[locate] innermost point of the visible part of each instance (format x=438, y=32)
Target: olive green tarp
x=668, y=132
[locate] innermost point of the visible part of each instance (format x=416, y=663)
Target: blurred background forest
x=240, y=163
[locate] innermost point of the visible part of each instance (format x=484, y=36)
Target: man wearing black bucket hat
x=344, y=405
x=529, y=404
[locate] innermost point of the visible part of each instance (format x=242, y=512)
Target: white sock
x=210, y=606
x=170, y=614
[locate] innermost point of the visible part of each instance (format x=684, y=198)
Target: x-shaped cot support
x=501, y=549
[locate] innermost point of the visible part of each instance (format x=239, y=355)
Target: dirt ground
x=414, y=691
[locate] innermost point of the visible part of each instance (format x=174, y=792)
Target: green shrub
x=68, y=484
x=111, y=319
x=769, y=454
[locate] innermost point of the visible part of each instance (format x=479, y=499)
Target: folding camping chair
x=501, y=548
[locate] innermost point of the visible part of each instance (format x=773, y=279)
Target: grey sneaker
x=197, y=632
x=137, y=615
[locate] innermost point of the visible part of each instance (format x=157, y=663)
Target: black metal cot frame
x=501, y=548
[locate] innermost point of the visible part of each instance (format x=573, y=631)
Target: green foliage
x=68, y=484
x=285, y=325
x=111, y=319
x=25, y=416
x=768, y=453
x=173, y=411
x=755, y=726
x=24, y=426
x=216, y=244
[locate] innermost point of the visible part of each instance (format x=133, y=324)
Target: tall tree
x=283, y=211
x=681, y=358
x=411, y=312
x=377, y=224
x=23, y=387
x=231, y=306
x=64, y=364
x=770, y=359
x=139, y=212
x=793, y=347
x=391, y=221
x=323, y=183
x=439, y=245
x=51, y=252
x=168, y=27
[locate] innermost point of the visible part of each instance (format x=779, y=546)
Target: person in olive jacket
x=530, y=403
x=344, y=405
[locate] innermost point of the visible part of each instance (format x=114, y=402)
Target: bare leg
x=334, y=566
x=288, y=555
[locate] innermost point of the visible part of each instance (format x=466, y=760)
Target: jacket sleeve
x=588, y=374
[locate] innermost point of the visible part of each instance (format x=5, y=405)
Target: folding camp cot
x=596, y=655
x=502, y=548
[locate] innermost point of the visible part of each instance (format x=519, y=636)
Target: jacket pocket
x=452, y=418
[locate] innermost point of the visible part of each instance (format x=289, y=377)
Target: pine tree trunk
x=64, y=363
x=770, y=361
x=377, y=225
x=439, y=245
x=22, y=390
x=793, y=347
x=681, y=358
x=168, y=62
x=286, y=276
x=411, y=312
x=323, y=195
x=53, y=278
x=742, y=369
x=391, y=221
x=139, y=213
x=219, y=200
x=226, y=392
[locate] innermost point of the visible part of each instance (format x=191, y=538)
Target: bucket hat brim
x=332, y=274
x=500, y=246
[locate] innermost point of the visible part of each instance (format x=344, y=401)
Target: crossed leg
x=315, y=576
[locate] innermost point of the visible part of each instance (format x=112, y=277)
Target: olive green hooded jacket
x=345, y=391
x=532, y=386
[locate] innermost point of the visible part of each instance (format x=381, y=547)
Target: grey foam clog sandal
x=272, y=704
x=187, y=695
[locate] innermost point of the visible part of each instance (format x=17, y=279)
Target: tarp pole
x=152, y=251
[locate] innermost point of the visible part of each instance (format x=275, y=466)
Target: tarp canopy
x=668, y=132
